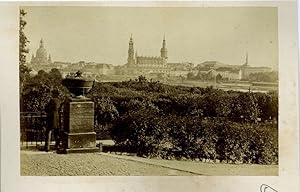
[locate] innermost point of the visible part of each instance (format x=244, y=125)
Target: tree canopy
x=23, y=51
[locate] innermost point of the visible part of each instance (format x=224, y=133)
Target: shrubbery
x=154, y=119
x=264, y=76
x=190, y=137
x=37, y=90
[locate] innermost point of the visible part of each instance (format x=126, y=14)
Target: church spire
x=246, y=62
x=163, y=50
x=130, y=59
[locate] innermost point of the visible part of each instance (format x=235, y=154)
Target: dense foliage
x=23, y=50
x=269, y=77
x=190, y=137
x=264, y=77
x=154, y=119
x=37, y=90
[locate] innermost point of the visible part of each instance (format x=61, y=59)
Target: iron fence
x=33, y=128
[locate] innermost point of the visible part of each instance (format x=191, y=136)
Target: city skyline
x=101, y=34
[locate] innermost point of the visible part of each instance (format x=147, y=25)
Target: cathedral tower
x=130, y=59
x=163, y=50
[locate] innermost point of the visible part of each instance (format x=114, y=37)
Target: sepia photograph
x=148, y=91
x=149, y=96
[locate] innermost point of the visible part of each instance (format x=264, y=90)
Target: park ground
x=39, y=163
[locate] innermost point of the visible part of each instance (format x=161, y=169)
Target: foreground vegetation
x=154, y=119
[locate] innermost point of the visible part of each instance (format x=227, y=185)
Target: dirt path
x=92, y=164
x=103, y=164
x=200, y=168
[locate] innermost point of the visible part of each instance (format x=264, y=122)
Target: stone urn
x=79, y=135
x=78, y=85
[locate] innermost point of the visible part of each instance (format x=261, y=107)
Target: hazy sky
x=101, y=34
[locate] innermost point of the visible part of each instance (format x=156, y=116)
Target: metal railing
x=32, y=128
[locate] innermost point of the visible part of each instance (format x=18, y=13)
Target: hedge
x=155, y=119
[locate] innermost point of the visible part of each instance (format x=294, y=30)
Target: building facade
x=180, y=69
x=146, y=65
x=246, y=70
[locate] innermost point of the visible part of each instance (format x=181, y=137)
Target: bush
x=154, y=119
x=204, y=138
x=37, y=90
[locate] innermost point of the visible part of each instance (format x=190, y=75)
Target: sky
x=193, y=34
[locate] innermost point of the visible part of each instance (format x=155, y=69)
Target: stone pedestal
x=79, y=135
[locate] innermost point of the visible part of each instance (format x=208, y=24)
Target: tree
x=218, y=77
x=23, y=39
x=264, y=76
x=55, y=76
x=105, y=110
x=37, y=90
x=23, y=69
x=142, y=79
x=190, y=76
x=246, y=107
x=22, y=45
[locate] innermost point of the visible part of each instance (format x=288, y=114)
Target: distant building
x=41, y=57
x=227, y=74
x=90, y=69
x=179, y=69
x=211, y=64
x=246, y=70
x=213, y=68
x=215, y=64
x=146, y=65
x=230, y=72
x=42, y=61
x=60, y=65
x=182, y=65
x=99, y=68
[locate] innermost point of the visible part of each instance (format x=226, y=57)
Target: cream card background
x=288, y=179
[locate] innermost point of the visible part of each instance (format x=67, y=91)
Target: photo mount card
x=190, y=54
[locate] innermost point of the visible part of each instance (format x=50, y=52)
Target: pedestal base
x=79, y=140
x=79, y=135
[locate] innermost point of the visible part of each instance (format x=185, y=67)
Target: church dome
x=41, y=52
